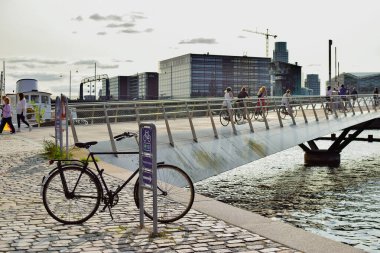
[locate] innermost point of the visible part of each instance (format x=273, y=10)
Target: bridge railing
x=269, y=110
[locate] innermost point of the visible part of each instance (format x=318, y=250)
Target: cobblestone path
x=25, y=225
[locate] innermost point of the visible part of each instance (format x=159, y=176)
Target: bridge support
x=331, y=156
x=322, y=158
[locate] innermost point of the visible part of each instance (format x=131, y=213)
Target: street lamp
x=70, y=83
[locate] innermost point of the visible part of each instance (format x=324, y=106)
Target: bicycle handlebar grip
x=120, y=136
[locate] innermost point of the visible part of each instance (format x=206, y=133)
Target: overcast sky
x=45, y=39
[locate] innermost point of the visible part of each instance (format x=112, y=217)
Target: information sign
x=148, y=169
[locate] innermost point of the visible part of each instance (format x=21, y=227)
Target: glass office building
x=280, y=52
x=312, y=82
x=364, y=82
x=204, y=75
x=139, y=86
x=286, y=76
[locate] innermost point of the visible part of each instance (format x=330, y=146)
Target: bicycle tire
x=283, y=113
x=257, y=114
x=295, y=112
x=175, y=194
x=79, y=208
x=238, y=115
x=250, y=110
x=224, y=117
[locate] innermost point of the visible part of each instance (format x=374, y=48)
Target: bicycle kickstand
x=109, y=209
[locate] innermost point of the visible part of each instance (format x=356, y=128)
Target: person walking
x=21, y=112
x=7, y=116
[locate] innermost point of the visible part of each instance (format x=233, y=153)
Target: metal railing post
x=313, y=106
x=189, y=115
x=324, y=108
x=73, y=130
x=247, y=116
x=303, y=111
x=167, y=125
x=137, y=115
x=263, y=114
x=231, y=114
x=277, y=109
x=112, y=140
x=365, y=102
x=334, y=98
x=212, y=120
x=360, y=108
x=116, y=112
x=93, y=114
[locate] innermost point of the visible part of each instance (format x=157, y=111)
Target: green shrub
x=52, y=152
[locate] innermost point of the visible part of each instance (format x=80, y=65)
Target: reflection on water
x=339, y=203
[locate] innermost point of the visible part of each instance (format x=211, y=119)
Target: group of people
x=334, y=94
x=262, y=92
x=6, y=113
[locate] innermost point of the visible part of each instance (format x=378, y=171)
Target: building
x=312, y=82
x=139, y=86
x=364, y=82
x=205, y=75
x=280, y=52
x=286, y=76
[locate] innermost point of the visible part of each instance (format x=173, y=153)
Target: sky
x=46, y=39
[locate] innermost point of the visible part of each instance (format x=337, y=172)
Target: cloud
x=199, y=41
x=107, y=66
x=129, y=31
x=85, y=62
x=35, y=60
x=137, y=15
x=79, y=18
x=123, y=25
x=116, y=60
x=98, y=17
x=36, y=75
x=101, y=33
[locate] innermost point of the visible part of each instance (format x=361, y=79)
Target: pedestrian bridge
x=191, y=136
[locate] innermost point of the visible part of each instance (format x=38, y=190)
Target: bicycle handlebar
x=125, y=135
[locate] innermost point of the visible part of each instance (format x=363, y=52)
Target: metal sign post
x=58, y=123
x=148, y=169
x=64, y=116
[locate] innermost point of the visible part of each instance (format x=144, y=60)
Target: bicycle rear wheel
x=175, y=194
x=238, y=115
x=82, y=200
x=224, y=117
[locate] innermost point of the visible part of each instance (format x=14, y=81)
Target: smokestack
x=330, y=43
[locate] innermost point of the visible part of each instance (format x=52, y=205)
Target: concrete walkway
x=210, y=226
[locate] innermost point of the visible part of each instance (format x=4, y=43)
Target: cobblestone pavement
x=26, y=226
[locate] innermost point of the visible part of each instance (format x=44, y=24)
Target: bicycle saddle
x=85, y=145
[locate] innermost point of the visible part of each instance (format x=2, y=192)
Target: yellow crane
x=266, y=36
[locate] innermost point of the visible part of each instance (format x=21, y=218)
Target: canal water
x=341, y=203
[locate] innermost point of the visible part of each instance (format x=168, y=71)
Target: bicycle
x=72, y=192
x=260, y=110
x=224, y=116
x=284, y=111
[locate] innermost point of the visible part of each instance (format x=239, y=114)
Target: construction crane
x=266, y=36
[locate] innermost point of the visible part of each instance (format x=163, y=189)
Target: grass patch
x=52, y=151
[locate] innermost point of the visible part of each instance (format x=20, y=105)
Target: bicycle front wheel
x=81, y=200
x=175, y=194
x=224, y=117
